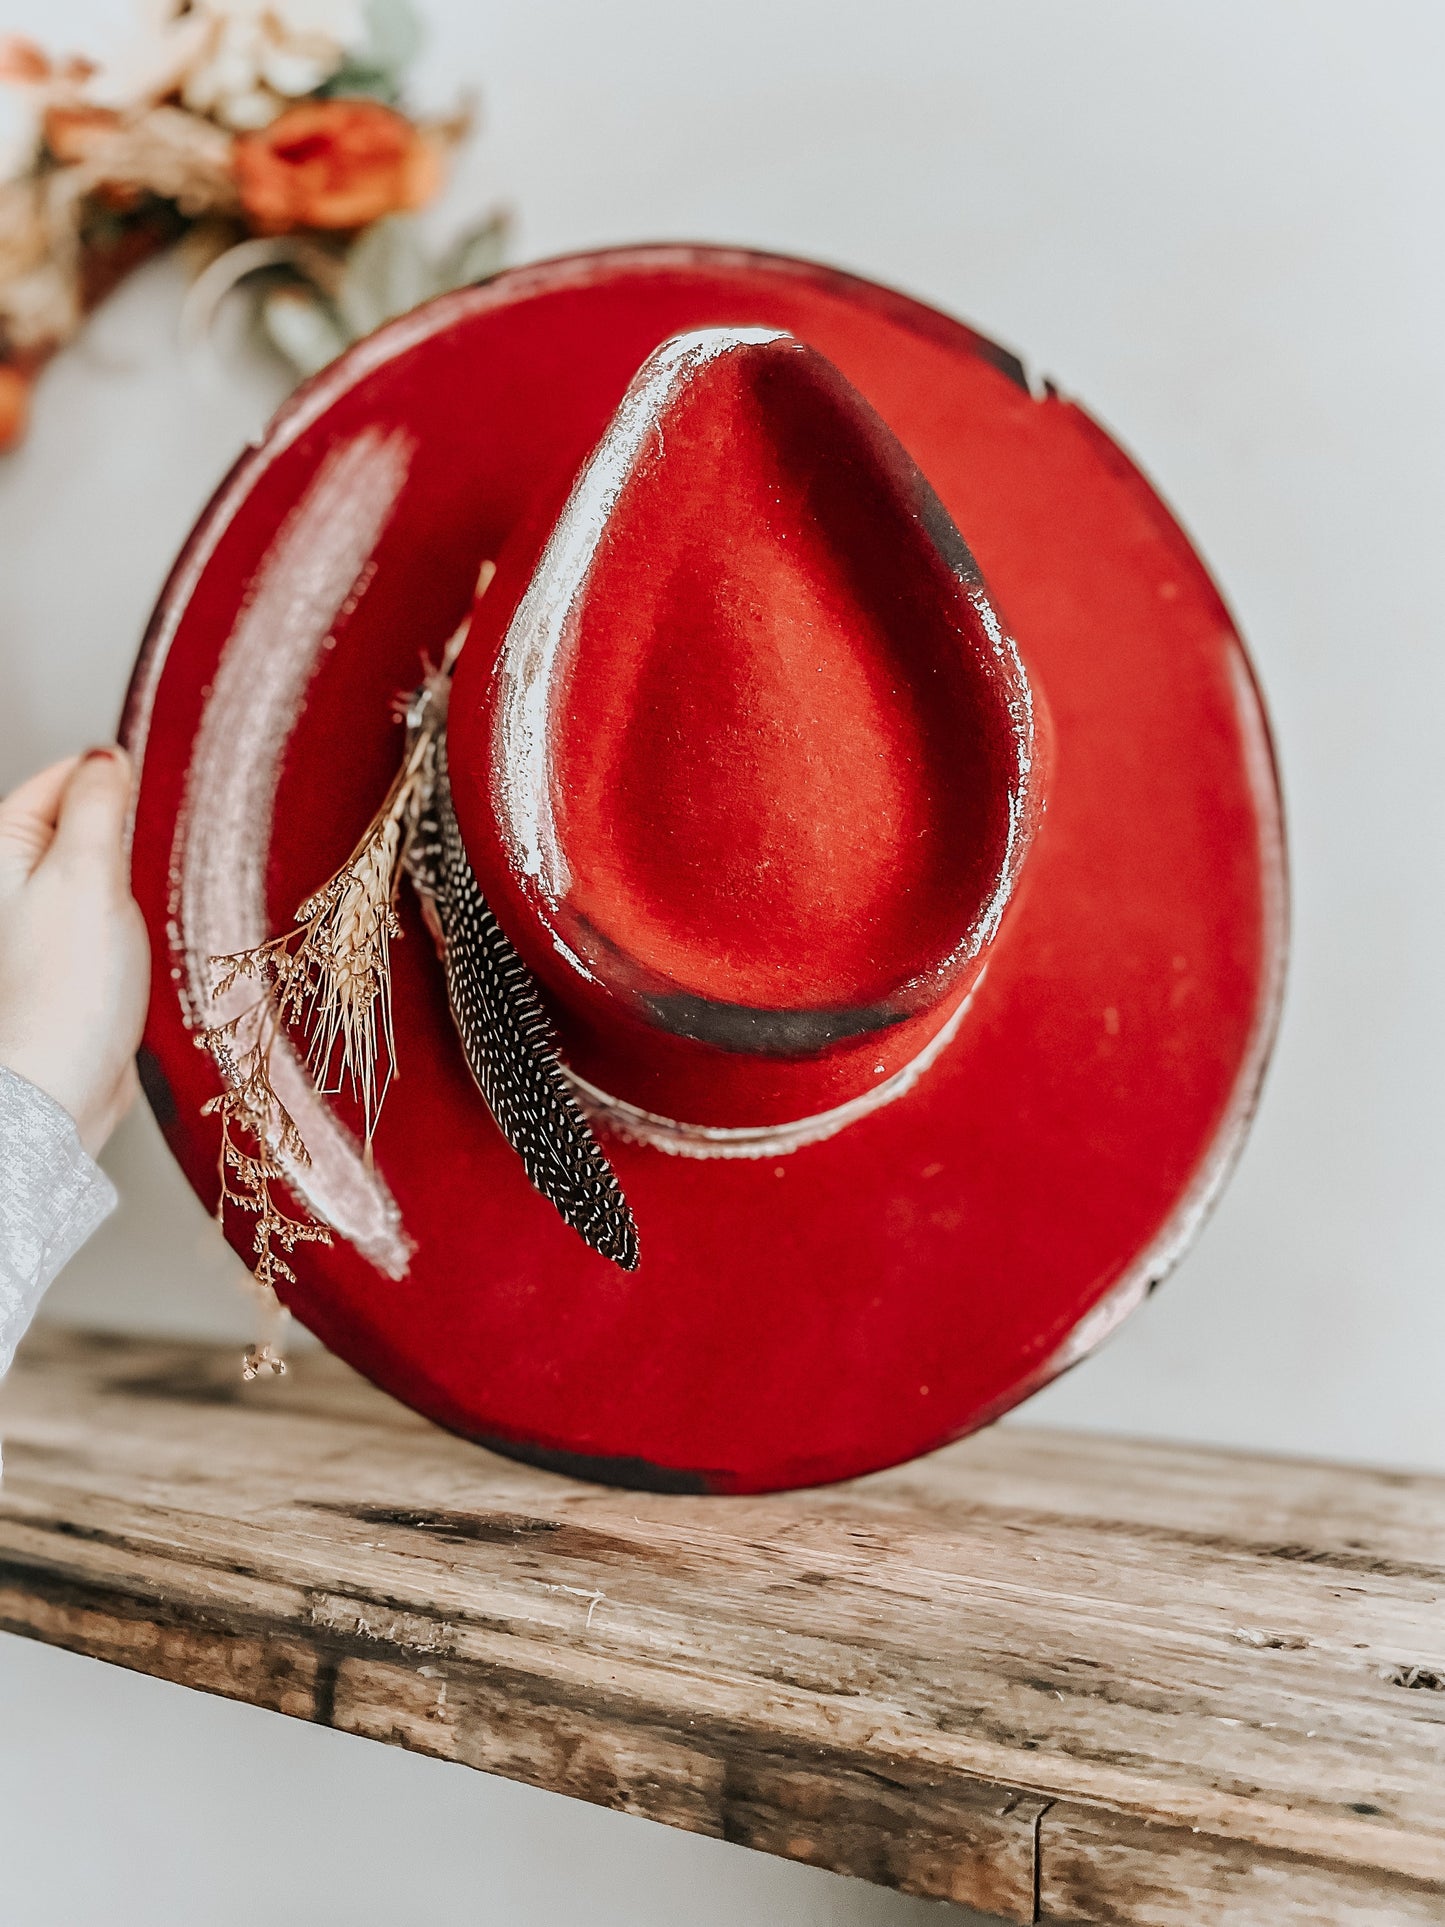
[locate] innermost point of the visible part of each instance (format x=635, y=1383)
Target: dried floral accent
x=335, y=164
x=73, y=133
x=329, y=979
x=329, y=976
x=39, y=267
x=257, y=1134
x=254, y=117
x=386, y=271
x=164, y=152
x=242, y=61
x=262, y=1361
x=22, y=63
x=14, y=405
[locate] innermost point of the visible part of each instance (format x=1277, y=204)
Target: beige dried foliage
x=24, y=229
x=166, y=152
x=329, y=976
x=39, y=262
x=258, y=1134
x=163, y=152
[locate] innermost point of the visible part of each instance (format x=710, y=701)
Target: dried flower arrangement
x=328, y=978
x=271, y=132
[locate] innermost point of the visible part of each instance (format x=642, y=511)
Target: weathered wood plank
x=1107, y=1680
x=1122, y=1872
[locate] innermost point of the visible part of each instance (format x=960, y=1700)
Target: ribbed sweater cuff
x=52, y=1196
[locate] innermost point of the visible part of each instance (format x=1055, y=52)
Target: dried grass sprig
x=329, y=978
x=252, y=1115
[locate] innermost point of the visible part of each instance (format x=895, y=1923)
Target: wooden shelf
x=1054, y=1676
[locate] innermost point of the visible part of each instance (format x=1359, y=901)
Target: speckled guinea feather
x=508, y=1040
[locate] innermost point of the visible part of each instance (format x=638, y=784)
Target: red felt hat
x=861, y=766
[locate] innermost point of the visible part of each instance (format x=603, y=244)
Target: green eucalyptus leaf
x=393, y=37
x=386, y=274
x=361, y=83
x=301, y=325
x=475, y=255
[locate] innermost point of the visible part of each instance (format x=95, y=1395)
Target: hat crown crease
x=762, y=760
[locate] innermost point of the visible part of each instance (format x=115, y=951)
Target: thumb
x=91, y=826
x=27, y=823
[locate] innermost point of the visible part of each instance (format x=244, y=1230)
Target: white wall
x=1221, y=227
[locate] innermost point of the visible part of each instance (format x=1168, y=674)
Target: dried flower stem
x=250, y=1110
x=330, y=977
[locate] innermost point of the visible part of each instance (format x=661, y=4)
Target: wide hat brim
x=866, y=1298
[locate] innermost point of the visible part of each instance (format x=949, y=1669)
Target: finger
x=27, y=821
x=93, y=809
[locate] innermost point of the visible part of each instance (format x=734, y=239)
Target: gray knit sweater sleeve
x=52, y=1196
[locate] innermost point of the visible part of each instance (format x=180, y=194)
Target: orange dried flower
x=14, y=405
x=334, y=164
x=22, y=62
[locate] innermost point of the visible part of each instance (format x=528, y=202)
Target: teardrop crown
x=744, y=758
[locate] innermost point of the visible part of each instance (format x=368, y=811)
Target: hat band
x=683, y=1140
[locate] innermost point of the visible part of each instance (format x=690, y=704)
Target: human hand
x=74, y=956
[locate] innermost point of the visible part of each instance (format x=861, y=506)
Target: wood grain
x=1055, y=1677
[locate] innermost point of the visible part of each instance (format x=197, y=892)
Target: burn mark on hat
x=1005, y=360
x=156, y=1086
x=943, y=532
x=768, y=1033
x=633, y=1475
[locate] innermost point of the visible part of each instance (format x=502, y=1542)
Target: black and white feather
x=508, y=1040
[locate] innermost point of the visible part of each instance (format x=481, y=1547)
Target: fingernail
x=107, y=755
